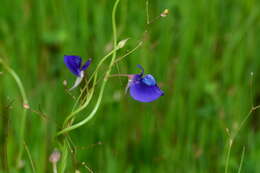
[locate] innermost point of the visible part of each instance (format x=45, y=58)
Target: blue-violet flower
x=143, y=88
x=74, y=64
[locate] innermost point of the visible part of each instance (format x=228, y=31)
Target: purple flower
x=74, y=64
x=144, y=88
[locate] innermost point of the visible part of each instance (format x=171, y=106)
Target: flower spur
x=74, y=64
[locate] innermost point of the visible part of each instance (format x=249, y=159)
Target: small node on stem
x=26, y=106
x=85, y=165
x=252, y=73
x=65, y=83
x=228, y=132
x=235, y=125
x=164, y=13
x=230, y=142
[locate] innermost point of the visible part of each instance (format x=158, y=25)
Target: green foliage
x=202, y=55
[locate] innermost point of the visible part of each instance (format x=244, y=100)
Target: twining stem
x=72, y=114
x=25, y=102
x=91, y=115
x=94, y=74
x=102, y=88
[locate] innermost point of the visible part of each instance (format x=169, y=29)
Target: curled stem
x=72, y=114
x=94, y=74
x=93, y=112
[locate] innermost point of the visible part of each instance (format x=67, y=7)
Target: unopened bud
x=165, y=13
x=55, y=156
x=122, y=43
x=26, y=106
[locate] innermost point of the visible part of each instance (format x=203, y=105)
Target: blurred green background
x=201, y=54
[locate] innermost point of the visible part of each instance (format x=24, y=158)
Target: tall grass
x=201, y=54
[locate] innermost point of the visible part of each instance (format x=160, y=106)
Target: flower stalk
x=25, y=102
x=102, y=88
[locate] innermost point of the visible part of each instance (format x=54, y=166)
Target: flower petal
x=85, y=66
x=78, y=81
x=73, y=63
x=149, y=80
x=144, y=93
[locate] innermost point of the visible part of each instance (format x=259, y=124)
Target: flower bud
x=165, y=13
x=55, y=156
x=122, y=43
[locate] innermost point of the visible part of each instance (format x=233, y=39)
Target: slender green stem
x=234, y=135
x=102, y=88
x=95, y=72
x=30, y=158
x=17, y=80
x=228, y=154
x=134, y=49
x=119, y=75
x=80, y=108
x=25, y=101
x=54, y=167
x=245, y=119
x=93, y=75
x=91, y=115
x=102, y=61
x=147, y=13
x=242, y=160
x=64, y=157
